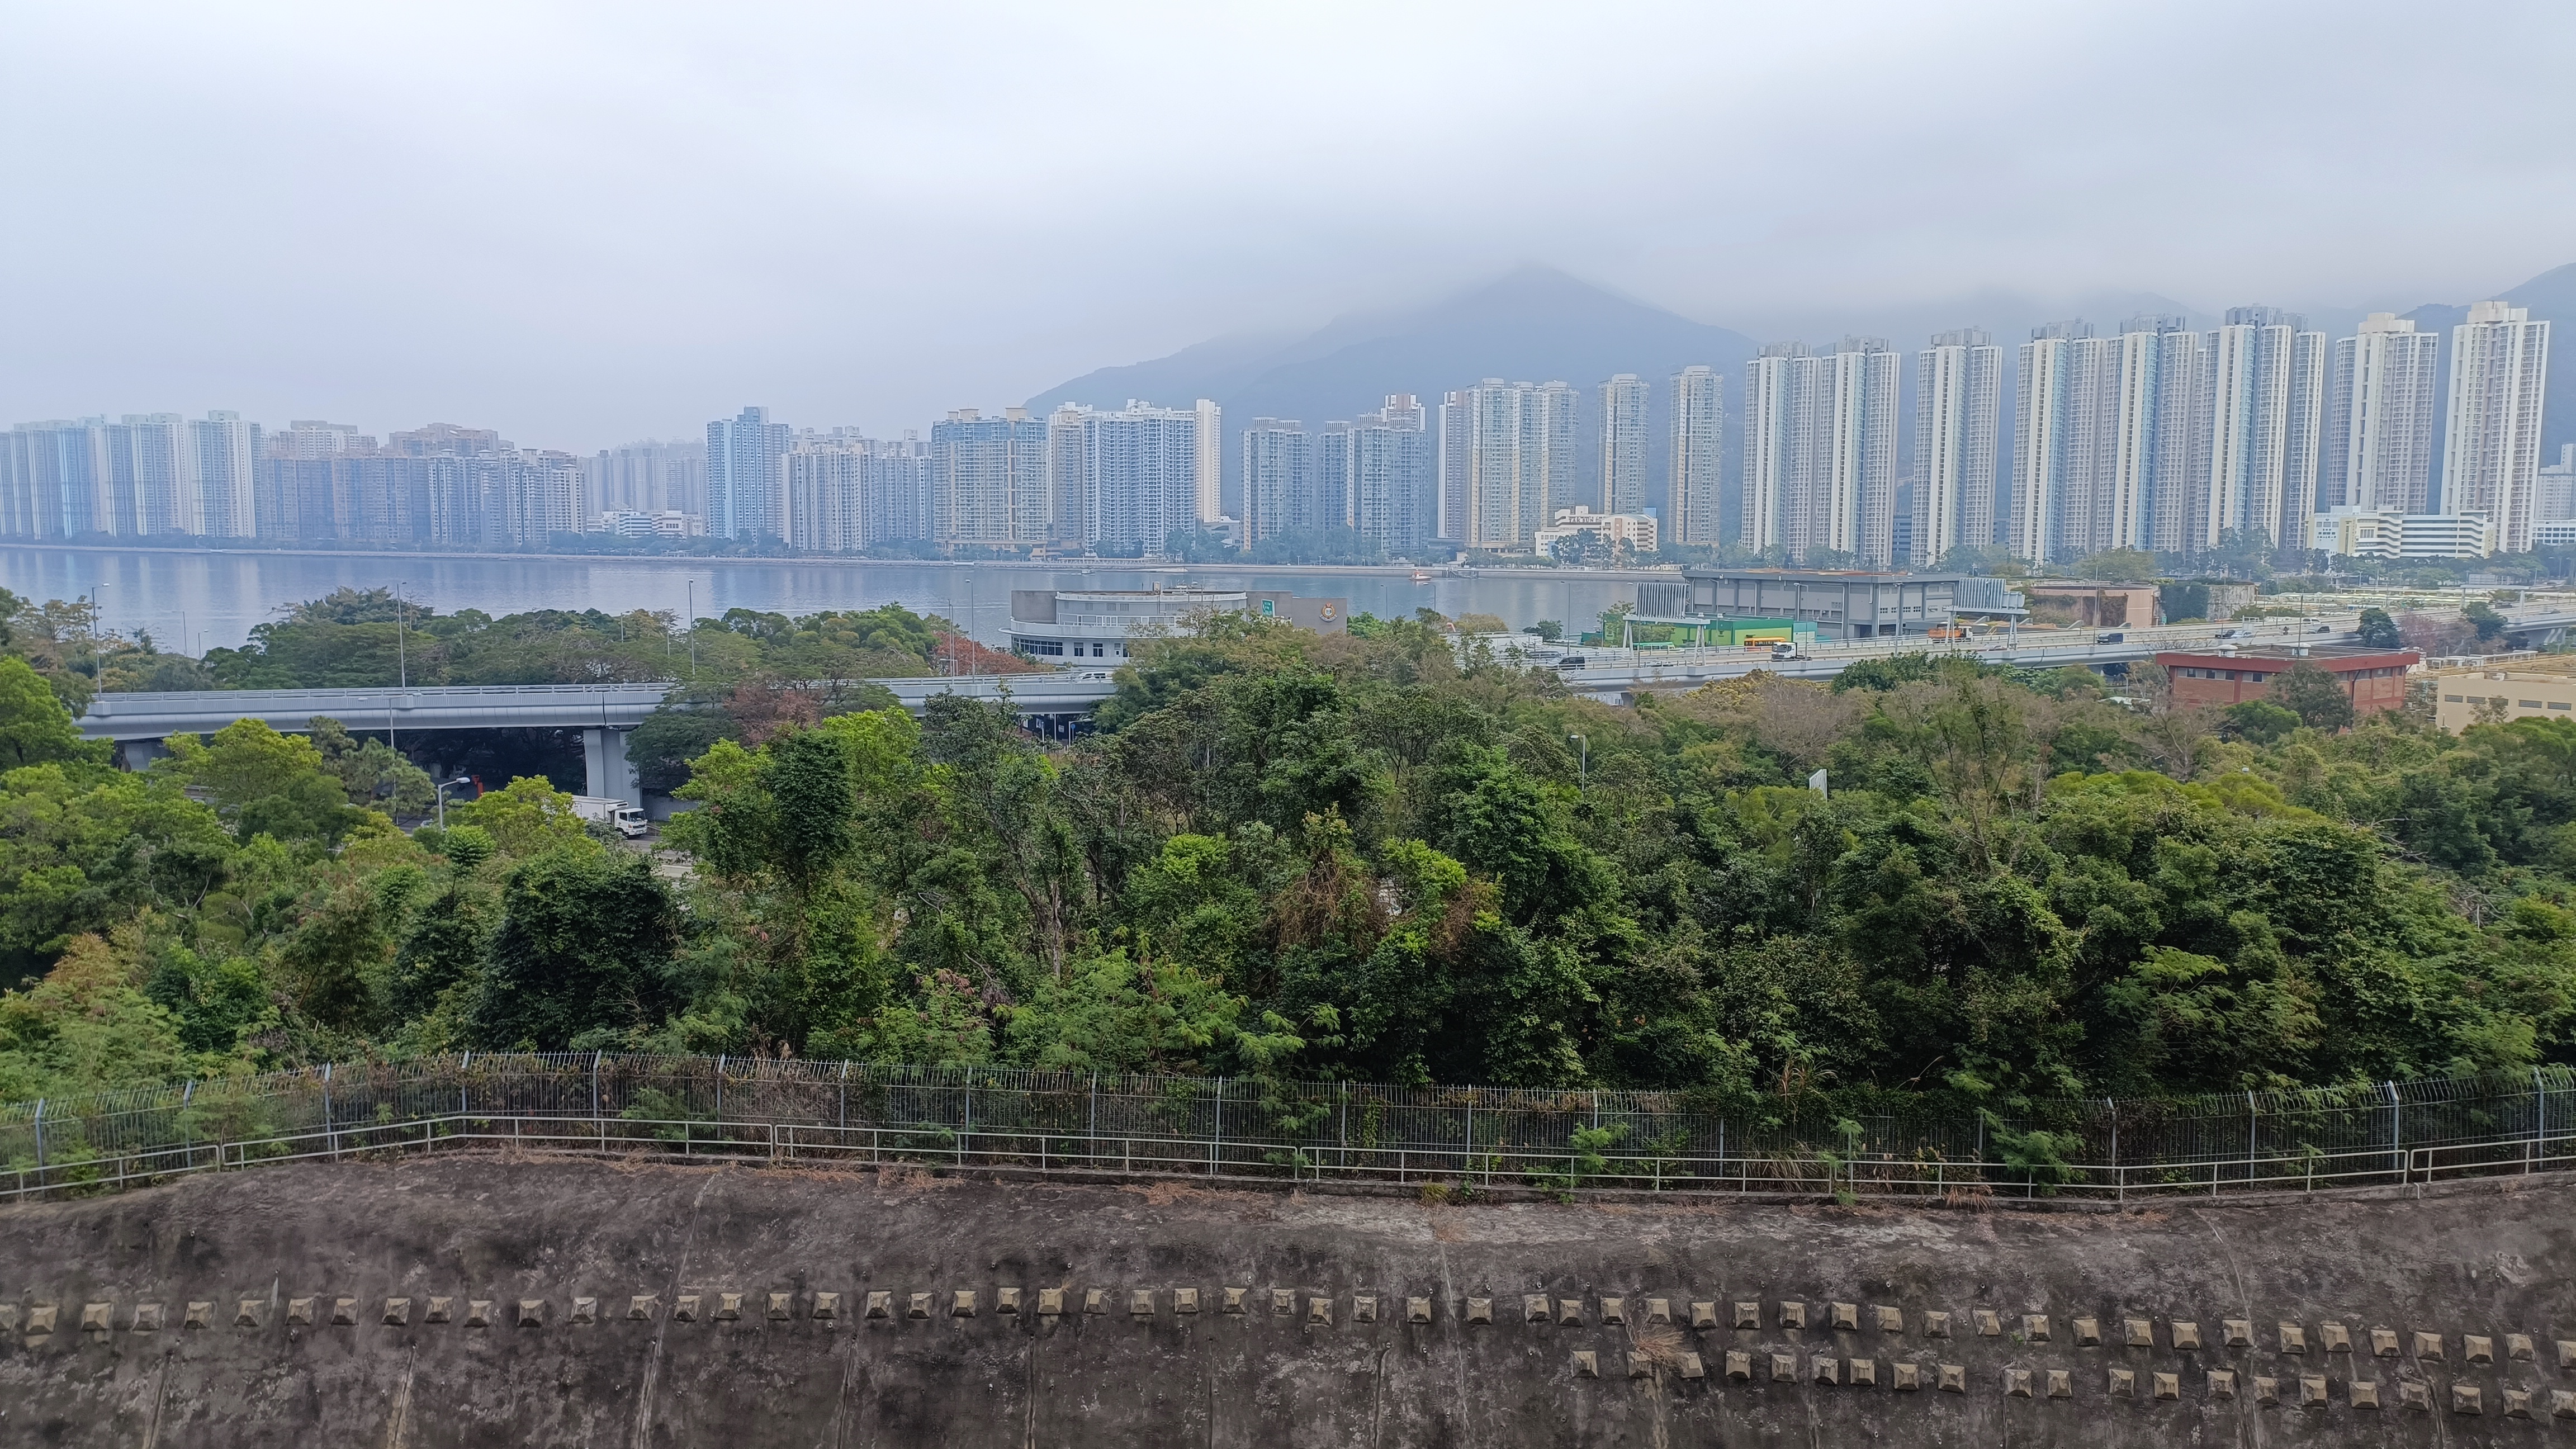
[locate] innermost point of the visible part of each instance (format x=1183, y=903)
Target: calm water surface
x=194, y=601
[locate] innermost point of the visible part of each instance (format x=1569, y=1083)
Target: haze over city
x=585, y=226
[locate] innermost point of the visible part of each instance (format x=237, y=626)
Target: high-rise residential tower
x=1392, y=482
x=1211, y=461
x=1820, y=451
x=1507, y=457
x=2265, y=424
x=2105, y=450
x=2491, y=445
x=227, y=464
x=1693, y=472
x=1958, y=383
x=1144, y=472
x=1623, y=445
x=988, y=480
x=1278, y=479
x=747, y=476
x=2379, y=418
x=846, y=491
x=650, y=477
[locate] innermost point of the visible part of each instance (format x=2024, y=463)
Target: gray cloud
x=581, y=224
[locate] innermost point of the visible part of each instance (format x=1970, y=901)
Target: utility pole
x=402, y=663
x=1582, y=761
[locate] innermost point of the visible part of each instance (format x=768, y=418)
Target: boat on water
x=1422, y=576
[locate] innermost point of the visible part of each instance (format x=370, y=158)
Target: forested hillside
x=1358, y=856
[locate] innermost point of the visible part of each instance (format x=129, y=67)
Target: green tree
x=35, y=728
x=582, y=954
x=527, y=817
x=2378, y=630
x=2314, y=695
x=2482, y=616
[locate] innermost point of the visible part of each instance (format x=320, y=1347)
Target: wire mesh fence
x=1468, y=1139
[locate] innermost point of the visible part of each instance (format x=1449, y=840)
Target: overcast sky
x=587, y=224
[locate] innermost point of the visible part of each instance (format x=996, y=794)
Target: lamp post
x=1582, y=761
x=93, y=631
x=441, y=790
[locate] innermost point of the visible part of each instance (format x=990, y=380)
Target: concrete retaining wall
x=478, y=1301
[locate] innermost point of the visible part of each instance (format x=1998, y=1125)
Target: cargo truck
x=625, y=819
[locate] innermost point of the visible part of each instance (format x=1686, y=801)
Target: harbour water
x=192, y=600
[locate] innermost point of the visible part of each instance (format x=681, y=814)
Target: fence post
x=1091, y=1122
x=1216, y=1148
x=2539, y=1120
x=596, y=1119
x=2119, y=1178
x=330, y=1136
x=40, y=1138
x=2397, y=1131
x=1468, y=1169
x=2253, y=1118
x=719, y=1089
x=970, y=1117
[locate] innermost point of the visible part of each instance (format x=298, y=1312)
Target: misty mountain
x=1535, y=324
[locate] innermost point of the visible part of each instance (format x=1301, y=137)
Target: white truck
x=616, y=814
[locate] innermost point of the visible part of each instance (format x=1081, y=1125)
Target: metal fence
x=1465, y=1139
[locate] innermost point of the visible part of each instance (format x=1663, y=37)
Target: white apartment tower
x=1507, y=456
x=1820, y=451
x=2265, y=421
x=1958, y=383
x=1278, y=479
x=747, y=475
x=1623, y=444
x=227, y=463
x=2105, y=450
x=2379, y=418
x=1392, y=484
x=2491, y=447
x=1211, y=461
x=1144, y=469
x=1699, y=433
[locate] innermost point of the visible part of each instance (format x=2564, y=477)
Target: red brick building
x=2374, y=678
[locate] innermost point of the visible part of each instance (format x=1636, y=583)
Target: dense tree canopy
x=1372, y=856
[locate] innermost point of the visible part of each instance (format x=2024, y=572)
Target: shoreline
x=1074, y=565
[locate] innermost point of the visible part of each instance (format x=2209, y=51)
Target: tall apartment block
x=649, y=477
x=145, y=475
x=1211, y=460
x=1278, y=480
x=2380, y=389
x=1958, y=382
x=1068, y=478
x=2265, y=424
x=1507, y=461
x=1144, y=476
x=1393, y=480
x=2491, y=446
x=1820, y=451
x=1694, y=468
x=1623, y=445
x=2106, y=439
x=746, y=476
x=988, y=480
x=846, y=491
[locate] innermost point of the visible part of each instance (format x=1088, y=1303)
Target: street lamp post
x=1582, y=761
x=441, y=790
x=93, y=631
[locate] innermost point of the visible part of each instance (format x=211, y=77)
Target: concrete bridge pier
x=606, y=771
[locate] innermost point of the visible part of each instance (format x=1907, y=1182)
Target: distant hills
x=1537, y=324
